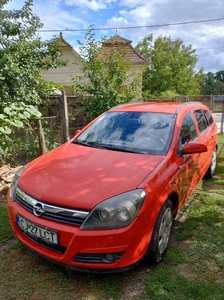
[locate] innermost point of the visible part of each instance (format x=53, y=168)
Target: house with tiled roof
x=138, y=63
x=130, y=53
x=63, y=75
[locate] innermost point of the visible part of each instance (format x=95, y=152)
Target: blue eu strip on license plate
x=45, y=234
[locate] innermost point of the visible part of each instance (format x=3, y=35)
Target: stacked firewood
x=6, y=176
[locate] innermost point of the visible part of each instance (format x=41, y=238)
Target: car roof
x=162, y=107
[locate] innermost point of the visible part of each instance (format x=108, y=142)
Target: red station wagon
x=107, y=198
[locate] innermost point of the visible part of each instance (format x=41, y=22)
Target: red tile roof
x=130, y=54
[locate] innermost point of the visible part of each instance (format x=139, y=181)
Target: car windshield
x=138, y=132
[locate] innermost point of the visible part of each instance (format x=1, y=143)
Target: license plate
x=45, y=234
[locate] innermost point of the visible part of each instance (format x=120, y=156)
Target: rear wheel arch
x=212, y=167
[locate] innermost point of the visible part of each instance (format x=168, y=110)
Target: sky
x=199, y=23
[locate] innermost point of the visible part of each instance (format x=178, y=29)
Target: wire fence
x=23, y=145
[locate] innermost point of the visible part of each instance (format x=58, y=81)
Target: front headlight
x=14, y=182
x=116, y=212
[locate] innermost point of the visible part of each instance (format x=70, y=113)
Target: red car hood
x=81, y=177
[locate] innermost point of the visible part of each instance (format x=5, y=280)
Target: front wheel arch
x=160, y=239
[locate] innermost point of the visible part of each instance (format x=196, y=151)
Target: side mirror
x=191, y=148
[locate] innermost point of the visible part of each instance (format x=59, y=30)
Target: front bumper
x=86, y=250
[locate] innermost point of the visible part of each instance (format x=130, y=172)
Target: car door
x=207, y=136
x=188, y=164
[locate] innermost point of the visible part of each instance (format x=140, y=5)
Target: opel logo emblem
x=38, y=209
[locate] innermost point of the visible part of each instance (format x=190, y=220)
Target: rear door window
x=200, y=117
x=209, y=117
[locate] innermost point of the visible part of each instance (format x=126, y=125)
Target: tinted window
x=148, y=133
x=209, y=117
x=188, y=130
x=202, y=123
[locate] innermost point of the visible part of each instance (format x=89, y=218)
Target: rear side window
x=209, y=117
x=188, y=130
x=200, y=117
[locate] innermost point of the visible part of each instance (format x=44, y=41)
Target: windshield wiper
x=105, y=146
x=88, y=144
x=82, y=143
x=115, y=148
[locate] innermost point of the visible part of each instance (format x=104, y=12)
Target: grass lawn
x=193, y=268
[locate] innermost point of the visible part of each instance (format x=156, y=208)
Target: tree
x=171, y=67
x=213, y=84
x=107, y=80
x=219, y=75
x=22, y=55
x=208, y=85
x=219, y=87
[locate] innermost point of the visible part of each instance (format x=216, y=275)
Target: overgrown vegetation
x=22, y=55
x=193, y=267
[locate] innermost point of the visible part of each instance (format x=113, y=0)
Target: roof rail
x=186, y=103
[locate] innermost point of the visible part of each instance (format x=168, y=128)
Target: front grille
x=44, y=210
x=97, y=257
x=58, y=248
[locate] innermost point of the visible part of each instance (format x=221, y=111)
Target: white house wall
x=63, y=75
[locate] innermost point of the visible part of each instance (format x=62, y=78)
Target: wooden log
x=42, y=144
x=63, y=106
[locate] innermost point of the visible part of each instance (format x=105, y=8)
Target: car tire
x=211, y=170
x=161, y=234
